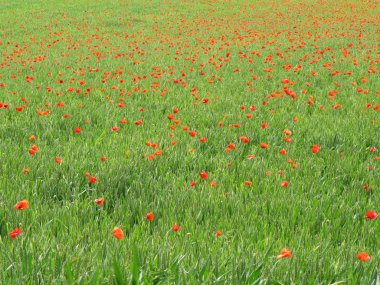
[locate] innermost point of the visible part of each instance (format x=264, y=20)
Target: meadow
x=189, y=142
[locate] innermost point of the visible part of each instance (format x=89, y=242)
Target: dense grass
x=212, y=61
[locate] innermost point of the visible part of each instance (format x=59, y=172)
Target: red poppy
x=57, y=159
x=149, y=216
x=203, y=175
x=218, y=233
x=118, y=233
x=284, y=184
x=21, y=205
x=315, y=148
x=363, y=256
x=175, y=228
x=285, y=253
x=77, y=130
x=264, y=145
x=16, y=232
x=244, y=139
x=92, y=179
x=370, y=215
x=99, y=201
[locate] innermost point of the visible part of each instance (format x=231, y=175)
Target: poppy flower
x=244, y=139
x=363, y=256
x=218, y=233
x=192, y=134
x=285, y=253
x=77, y=130
x=370, y=215
x=32, y=138
x=16, y=232
x=99, y=201
x=284, y=184
x=203, y=175
x=103, y=158
x=118, y=233
x=315, y=148
x=149, y=216
x=92, y=179
x=192, y=183
x=21, y=205
x=57, y=159
x=264, y=145
x=175, y=228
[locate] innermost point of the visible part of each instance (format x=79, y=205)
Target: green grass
x=117, y=47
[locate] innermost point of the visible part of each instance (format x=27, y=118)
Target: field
x=189, y=142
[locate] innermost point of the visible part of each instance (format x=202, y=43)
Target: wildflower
x=118, y=233
x=175, y=228
x=285, y=253
x=284, y=184
x=21, y=205
x=315, y=148
x=99, y=201
x=92, y=179
x=363, y=256
x=203, y=175
x=149, y=216
x=264, y=145
x=370, y=215
x=16, y=232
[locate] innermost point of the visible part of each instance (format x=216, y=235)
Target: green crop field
x=189, y=142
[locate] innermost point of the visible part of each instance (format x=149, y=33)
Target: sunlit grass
x=131, y=101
